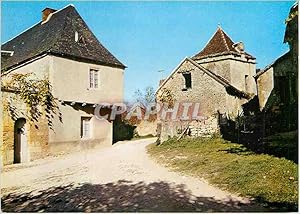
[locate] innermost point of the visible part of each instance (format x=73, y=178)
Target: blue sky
x=153, y=36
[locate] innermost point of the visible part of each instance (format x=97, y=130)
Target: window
x=188, y=80
x=246, y=83
x=94, y=78
x=85, y=127
x=76, y=36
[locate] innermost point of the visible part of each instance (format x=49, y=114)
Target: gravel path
x=119, y=178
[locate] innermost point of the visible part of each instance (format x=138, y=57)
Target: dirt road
x=119, y=178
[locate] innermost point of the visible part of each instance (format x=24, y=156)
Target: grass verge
x=268, y=179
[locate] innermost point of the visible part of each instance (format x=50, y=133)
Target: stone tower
x=229, y=60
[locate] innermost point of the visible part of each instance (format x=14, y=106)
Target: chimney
x=46, y=12
x=239, y=47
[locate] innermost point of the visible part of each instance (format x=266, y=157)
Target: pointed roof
x=56, y=36
x=219, y=44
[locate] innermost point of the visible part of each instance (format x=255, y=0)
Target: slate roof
x=57, y=37
x=219, y=44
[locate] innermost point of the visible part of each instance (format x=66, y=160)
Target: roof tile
x=219, y=44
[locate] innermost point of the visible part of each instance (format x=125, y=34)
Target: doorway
x=20, y=141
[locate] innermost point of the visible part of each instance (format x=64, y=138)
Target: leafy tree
x=167, y=96
x=34, y=93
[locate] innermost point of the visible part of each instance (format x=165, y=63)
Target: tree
x=146, y=96
x=166, y=96
x=34, y=93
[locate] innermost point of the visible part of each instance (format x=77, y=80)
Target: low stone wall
x=205, y=128
x=145, y=128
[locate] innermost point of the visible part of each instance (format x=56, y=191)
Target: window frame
x=83, y=122
x=246, y=80
x=185, y=80
x=93, y=82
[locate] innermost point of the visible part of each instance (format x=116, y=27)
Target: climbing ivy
x=166, y=96
x=35, y=93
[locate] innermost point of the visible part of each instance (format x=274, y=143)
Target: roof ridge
x=267, y=67
x=170, y=75
x=224, y=40
x=39, y=22
x=218, y=43
x=56, y=36
x=63, y=35
x=207, y=42
x=21, y=33
x=210, y=73
x=63, y=28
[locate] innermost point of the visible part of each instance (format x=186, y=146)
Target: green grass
x=232, y=167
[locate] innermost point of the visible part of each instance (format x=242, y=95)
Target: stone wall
x=234, y=69
x=7, y=149
x=1, y=129
x=265, y=85
x=205, y=128
x=211, y=95
x=37, y=133
x=38, y=137
x=145, y=128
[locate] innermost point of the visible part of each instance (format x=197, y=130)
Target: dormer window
x=79, y=38
x=187, y=80
x=76, y=36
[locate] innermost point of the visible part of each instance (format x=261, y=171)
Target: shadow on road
x=119, y=196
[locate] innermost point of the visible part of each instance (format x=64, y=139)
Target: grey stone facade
x=211, y=88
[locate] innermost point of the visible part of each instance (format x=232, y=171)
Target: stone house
x=219, y=77
x=82, y=73
x=277, y=84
